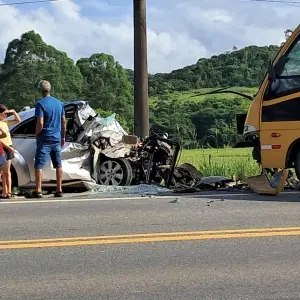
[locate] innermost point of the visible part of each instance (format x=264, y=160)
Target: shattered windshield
x=287, y=72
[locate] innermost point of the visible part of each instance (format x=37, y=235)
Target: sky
x=179, y=32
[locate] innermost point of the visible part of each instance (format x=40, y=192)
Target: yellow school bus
x=272, y=124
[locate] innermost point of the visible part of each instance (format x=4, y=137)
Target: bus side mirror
x=271, y=72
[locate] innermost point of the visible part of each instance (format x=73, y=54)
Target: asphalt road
x=200, y=247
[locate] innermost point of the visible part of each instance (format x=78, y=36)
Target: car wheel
x=115, y=172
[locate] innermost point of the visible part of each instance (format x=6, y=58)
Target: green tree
x=214, y=120
x=220, y=134
x=106, y=85
x=168, y=116
x=30, y=60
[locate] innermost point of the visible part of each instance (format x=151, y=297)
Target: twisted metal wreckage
x=106, y=155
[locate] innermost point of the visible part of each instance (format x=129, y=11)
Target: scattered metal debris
x=175, y=201
x=189, y=180
x=214, y=182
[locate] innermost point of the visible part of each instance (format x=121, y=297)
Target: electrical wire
x=277, y=1
x=27, y=2
x=288, y=2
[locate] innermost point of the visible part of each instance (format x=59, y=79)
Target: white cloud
x=99, y=5
x=216, y=15
x=179, y=31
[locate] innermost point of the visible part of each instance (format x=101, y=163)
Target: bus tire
x=297, y=165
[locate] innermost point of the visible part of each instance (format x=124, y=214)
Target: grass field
x=222, y=162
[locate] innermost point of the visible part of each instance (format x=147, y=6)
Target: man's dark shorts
x=44, y=151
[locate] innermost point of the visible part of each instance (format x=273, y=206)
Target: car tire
x=116, y=172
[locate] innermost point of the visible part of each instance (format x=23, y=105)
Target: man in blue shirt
x=50, y=136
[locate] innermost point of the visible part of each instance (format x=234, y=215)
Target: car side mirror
x=271, y=72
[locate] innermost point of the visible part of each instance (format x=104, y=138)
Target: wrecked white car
x=97, y=150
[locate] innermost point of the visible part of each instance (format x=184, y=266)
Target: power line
x=278, y=1
x=27, y=2
x=288, y=2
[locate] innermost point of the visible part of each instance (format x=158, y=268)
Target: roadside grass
x=228, y=162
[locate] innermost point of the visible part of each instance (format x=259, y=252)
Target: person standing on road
x=3, y=168
x=50, y=137
x=8, y=147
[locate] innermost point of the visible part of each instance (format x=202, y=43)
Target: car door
x=24, y=140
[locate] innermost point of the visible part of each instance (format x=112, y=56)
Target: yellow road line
x=154, y=234
x=151, y=237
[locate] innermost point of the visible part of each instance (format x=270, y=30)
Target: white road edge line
x=74, y=200
x=133, y=198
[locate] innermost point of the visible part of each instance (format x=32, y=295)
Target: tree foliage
x=30, y=60
x=106, y=84
x=168, y=116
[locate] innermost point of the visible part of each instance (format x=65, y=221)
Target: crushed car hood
x=77, y=158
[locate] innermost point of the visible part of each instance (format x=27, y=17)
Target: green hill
x=244, y=67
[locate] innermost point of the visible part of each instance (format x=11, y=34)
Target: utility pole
x=141, y=109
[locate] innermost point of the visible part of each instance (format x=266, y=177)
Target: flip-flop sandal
x=34, y=195
x=58, y=195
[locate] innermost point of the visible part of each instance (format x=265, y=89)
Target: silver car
x=76, y=153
